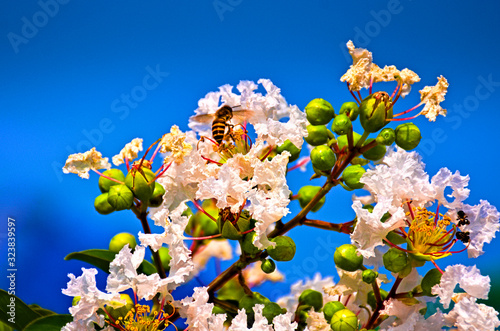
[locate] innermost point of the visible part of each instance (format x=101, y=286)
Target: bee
x=463, y=236
x=462, y=218
x=220, y=121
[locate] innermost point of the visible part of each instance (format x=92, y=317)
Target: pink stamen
x=437, y=267
x=352, y=93
x=210, y=160
x=409, y=110
x=163, y=171
x=203, y=211
x=300, y=164
x=371, y=85
x=112, y=179
x=155, y=152
x=204, y=238
x=267, y=154
x=127, y=164
x=359, y=95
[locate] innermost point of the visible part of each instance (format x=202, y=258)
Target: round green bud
x=372, y=301
x=431, y=278
x=157, y=196
x=331, y=308
x=120, y=197
x=386, y=137
x=121, y=239
x=319, y=112
x=323, y=158
x=369, y=276
x=317, y=135
x=268, y=266
x=164, y=258
x=346, y=258
x=344, y=320
x=307, y=193
x=120, y=311
x=105, y=184
x=360, y=161
x=284, y=249
x=407, y=136
x=375, y=153
x=341, y=124
x=311, y=298
x=141, y=182
x=375, y=110
x=395, y=238
x=350, y=109
x=271, y=310
x=102, y=205
x=395, y=260
x=289, y=146
x=247, y=245
x=352, y=175
x=342, y=140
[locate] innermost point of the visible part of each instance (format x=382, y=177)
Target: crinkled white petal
x=91, y=298
x=443, y=179
x=316, y=322
x=402, y=316
x=401, y=177
x=130, y=152
x=483, y=225
x=82, y=163
x=468, y=278
x=198, y=312
x=122, y=270
x=432, y=96
x=370, y=231
x=467, y=315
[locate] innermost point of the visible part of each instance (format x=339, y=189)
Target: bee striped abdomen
x=218, y=129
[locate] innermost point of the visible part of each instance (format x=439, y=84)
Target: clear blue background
x=65, y=80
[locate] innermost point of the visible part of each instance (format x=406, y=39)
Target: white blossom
x=467, y=315
x=82, y=163
x=129, y=152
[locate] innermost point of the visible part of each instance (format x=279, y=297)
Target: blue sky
x=81, y=74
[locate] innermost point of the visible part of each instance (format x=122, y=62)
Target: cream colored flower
x=432, y=96
x=174, y=143
x=82, y=163
x=130, y=151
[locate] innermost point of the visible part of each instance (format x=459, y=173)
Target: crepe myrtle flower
x=363, y=73
x=430, y=225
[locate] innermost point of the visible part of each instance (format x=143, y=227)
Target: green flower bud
x=395, y=238
x=318, y=173
x=268, y=266
x=141, y=182
x=319, y=112
x=121, y=311
x=271, y=310
x=341, y=124
x=386, y=137
x=102, y=205
x=121, y=239
x=307, y=193
x=372, y=301
x=157, y=197
x=369, y=276
x=431, y=278
x=375, y=110
x=331, y=308
x=351, y=109
x=346, y=257
x=359, y=161
x=311, y=298
x=352, y=175
x=164, y=258
x=105, y=184
x=289, y=146
x=322, y=157
x=229, y=231
x=344, y=320
x=284, y=249
x=407, y=136
x=375, y=153
x=317, y=135
x=342, y=140
x=395, y=260
x=247, y=245
x=120, y=197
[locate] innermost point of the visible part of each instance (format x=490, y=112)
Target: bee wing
x=204, y=118
x=242, y=115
